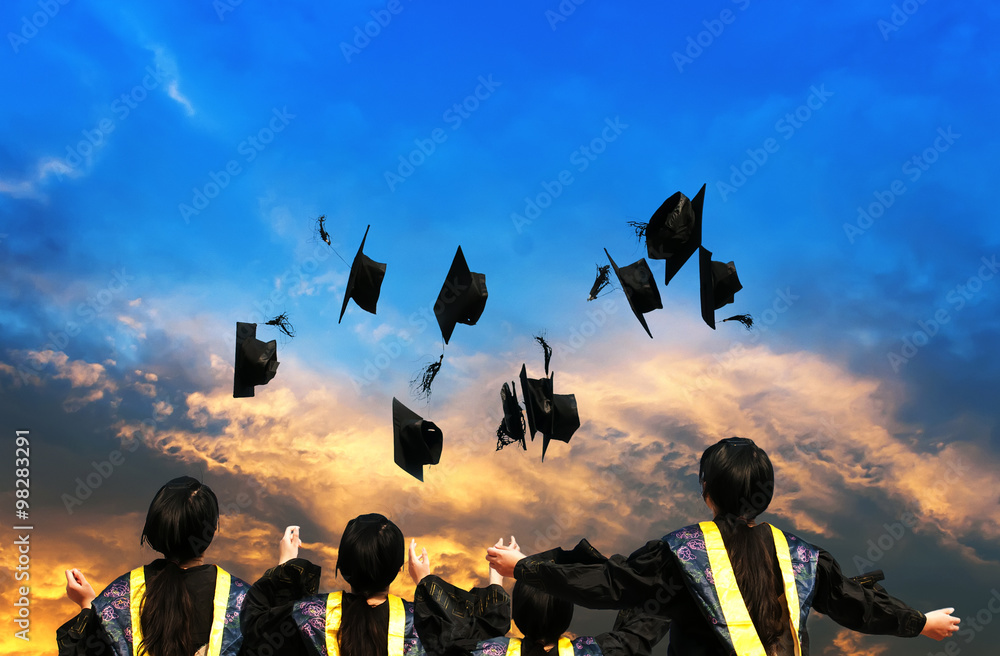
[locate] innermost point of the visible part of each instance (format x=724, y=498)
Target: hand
x=288, y=548
x=940, y=624
x=503, y=559
x=420, y=566
x=496, y=578
x=78, y=589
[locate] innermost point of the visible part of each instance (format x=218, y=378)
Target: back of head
x=541, y=617
x=180, y=524
x=182, y=519
x=738, y=477
x=371, y=554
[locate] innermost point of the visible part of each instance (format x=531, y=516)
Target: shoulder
x=117, y=588
x=234, y=581
x=799, y=548
x=684, y=539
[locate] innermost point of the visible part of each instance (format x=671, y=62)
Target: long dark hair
x=180, y=524
x=541, y=617
x=738, y=477
x=370, y=555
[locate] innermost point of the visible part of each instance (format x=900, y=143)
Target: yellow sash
x=334, y=615
x=741, y=630
x=565, y=647
x=220, y=603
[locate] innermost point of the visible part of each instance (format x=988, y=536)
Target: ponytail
x=738, y=477
x=751, y=553
x=361, y=631
x=166, y=615
x=181, y=522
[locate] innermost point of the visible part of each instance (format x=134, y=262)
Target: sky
x=162, y=168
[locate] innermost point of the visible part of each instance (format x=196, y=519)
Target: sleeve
x=266, y=619
x=635, y=634
x=588, y=579
x=861, y=608
x=83, y=636
x=446, y=616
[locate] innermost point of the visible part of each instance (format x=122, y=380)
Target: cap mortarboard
x=640, y=289
x=365, y=282
x=416, y=442
x=462, y=298
x=537, y=402
x=511, y=428
x=565, y=420
x=256, y=361
x=674, y=231
x=555, y=416
x=719, y=284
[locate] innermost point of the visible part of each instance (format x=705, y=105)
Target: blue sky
x=118, y=303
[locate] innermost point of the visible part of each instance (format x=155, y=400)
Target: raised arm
x=588, y=579
x=446, y=616
x=871, y=609
x=267, y=609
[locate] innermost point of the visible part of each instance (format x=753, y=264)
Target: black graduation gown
x=85, y=636
x=267, y=611
x=652, y=576
x=446, y=617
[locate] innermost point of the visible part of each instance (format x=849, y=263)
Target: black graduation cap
x=365, y=281
x=719, y=284
x=640, y=289
x=462, y=298
x=555, y=416
x=511, y=428
x=565, y=420
x=674, y=231
x=416, y=442
x=256, y=361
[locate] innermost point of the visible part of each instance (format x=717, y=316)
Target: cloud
x=173, y=90
x=90, y=378
x=165, y=62
x=44, y=169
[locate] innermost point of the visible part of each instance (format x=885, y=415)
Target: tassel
x=506, y=439
x=321, y=229
x=546, y=349
x=283, y=324
x=602, y=281
x=640, y=228
x=744, y=319
x=420, y=387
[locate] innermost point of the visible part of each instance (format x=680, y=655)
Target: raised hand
x=420, y=566
x=940, y=624
x=288, y=547
x=503, y=559
x=78, y=589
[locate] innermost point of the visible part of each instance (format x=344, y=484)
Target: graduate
x=541, y=618
x=729, y=586
x=284, y=616
x=175, y=606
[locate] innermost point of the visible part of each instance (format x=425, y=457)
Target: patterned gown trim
x=582, y=646
x=318, y=618
x=705, y=563
x=119, y=604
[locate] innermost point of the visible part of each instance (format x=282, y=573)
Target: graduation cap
x=719, y=284
x=416, y=442
x=462, y=298
x=365, y=281
x=555, y=416
x=674, y=231
x=511, y=428
x=256, y=361
x=640, y=289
